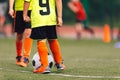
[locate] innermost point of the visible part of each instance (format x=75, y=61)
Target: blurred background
x=6, y=22
x=99, y=13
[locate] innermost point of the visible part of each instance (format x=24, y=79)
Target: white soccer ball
x=36, y=61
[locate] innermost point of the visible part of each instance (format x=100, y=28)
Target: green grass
x=81, y=57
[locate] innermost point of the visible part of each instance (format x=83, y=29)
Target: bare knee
x=27, y=33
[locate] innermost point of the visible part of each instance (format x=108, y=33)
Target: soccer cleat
x=60, y=66
x=25, y=62
x=42, y=70
x=18, y=60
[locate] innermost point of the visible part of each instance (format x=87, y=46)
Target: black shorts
x=20, y=24
x=45, y=32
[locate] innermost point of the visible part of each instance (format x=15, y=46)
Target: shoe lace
x=26, y=60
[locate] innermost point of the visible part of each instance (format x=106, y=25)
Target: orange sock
x=27, y=47
x=19, y=48
x=43, y=53
x=55, y=48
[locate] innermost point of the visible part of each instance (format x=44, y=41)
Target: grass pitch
x=84, y=59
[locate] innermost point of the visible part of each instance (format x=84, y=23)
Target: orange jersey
x=81, y=14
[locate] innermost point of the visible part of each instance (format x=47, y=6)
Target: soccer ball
x=36, y=61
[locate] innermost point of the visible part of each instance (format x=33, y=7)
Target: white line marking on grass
x=97, y=60
x=66, y=75
x=11, y=70
x=88, y=76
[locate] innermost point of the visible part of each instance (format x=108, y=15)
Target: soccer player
x=43, y=19
x=81, y=17
x=23, y=31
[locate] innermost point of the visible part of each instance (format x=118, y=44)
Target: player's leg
x=27, y=41
x=19, y=29
x=55, y=47
x=27, y=47
x=19, y=48
x=8, y=30
x=86, y=27
x=40, y=35
x=43, y=54
x=78, y=28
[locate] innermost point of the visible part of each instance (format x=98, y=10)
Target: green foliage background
x=98, y=11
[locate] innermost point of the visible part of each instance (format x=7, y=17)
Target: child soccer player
x=43, y=19
x=81, y=17
x=23, y=31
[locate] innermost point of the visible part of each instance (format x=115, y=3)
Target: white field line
x=95, y=59
x=80, y=59
x=66, y=75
